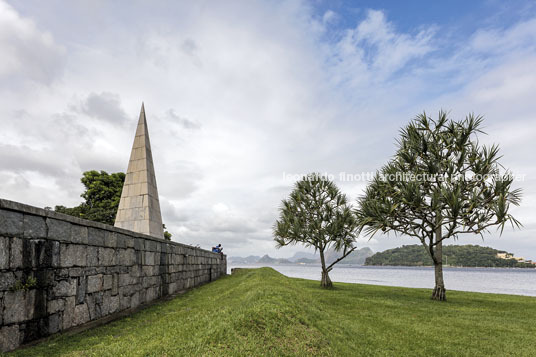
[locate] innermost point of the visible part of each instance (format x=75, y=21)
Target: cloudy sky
x=242, y=95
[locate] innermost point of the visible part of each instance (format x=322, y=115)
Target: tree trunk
x=439, y=289
x=326, y=281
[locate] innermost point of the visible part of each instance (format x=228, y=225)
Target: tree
x=102, y=195
x=167, y=235
x=317, y=215
x=440, y=184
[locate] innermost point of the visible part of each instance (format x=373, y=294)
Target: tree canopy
x=441, y=183
x=317, y=214
x=101, y=197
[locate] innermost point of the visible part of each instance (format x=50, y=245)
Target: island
x=453, y=255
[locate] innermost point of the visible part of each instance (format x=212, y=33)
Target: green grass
x=261, y=312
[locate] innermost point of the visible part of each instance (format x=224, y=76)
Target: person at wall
x=217, y=249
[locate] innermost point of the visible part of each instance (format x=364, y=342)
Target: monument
x=139, y=207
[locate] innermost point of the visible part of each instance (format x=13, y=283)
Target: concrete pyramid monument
x=139, y=208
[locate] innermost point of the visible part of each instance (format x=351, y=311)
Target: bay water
x=486, y=280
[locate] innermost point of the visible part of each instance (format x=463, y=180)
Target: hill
x=453, y=255
x=259, y=312
x=357, y=257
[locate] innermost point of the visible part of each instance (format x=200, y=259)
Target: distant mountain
x=303, y=255
x=266, y=259
x=252, y=259
x=357, y=257
x=453, y=255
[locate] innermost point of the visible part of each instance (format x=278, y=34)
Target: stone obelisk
x=139, y=208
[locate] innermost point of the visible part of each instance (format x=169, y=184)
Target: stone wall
x=58, y=271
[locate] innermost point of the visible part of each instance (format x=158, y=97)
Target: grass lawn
x=261, y=312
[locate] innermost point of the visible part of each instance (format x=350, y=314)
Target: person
x=217, y=249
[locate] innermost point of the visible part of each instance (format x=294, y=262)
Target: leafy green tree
x=167, y=235
x=317, y=215
x=440, y=184
x=102, y=194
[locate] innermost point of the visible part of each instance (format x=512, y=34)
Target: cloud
x=329, y=17
x=182, y=121
x=237, y=95
x=27, y=52
x=104, y=106
x=521, y=36
x=22, y=158
x=374, y=50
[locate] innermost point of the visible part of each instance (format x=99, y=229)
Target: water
x=485, y=280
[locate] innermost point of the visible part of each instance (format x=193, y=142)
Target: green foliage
x=455, y=255
x=463, y=192
x=167, y=235
x=317, y=214
x=259, y=312
x=102, y=195
x=24, y=284
x=440, y=184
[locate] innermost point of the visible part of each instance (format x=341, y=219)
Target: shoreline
x=381, y=266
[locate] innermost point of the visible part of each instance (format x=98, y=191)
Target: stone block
x=68, y=312
x=79, y=234
x=40, y=253
x=54, y=323
x=11, y=223
x=81, y=315
x=115, y=284
x=94, y=283
x=150, y=245
x=149, y=258
x=15, y=253
x=94, y=307
x=151, y=294
x=147, y=270
x=124, y=302
x=121, y=240
x=34, y=226
x=137, y=243
x=7, y=280
x=125, y=279
x=135, y=300
x=81, y=288
x=36, y=304
x=131, y=242
x=106, y=256
x=113, y=304
x=65, y=288
x=92, y=256
x=58, y=230
x=126, y=257
x=73, y=255
x=110, y=239
x=55, y=305
x=15, y=303
x=107, y=282
x=96, y=236
x=4, y=253
x=9, y=338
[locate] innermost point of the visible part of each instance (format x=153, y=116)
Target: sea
x=515, y=281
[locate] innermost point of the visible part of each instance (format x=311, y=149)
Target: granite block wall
x=58, y=271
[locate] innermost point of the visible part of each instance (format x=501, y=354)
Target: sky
x=242, y=96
